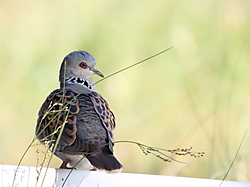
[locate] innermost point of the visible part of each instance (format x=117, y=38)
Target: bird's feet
x=64, y=165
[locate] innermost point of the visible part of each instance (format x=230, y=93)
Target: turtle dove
x=78, y=120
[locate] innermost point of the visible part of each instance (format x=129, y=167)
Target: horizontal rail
x=27, y=176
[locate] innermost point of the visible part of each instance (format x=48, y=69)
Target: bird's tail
x=104, y=161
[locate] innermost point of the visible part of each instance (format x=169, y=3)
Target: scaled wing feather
x=58, y=112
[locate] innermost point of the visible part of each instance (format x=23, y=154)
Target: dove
x=75, y=121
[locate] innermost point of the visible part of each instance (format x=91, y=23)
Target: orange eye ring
x=83, y=65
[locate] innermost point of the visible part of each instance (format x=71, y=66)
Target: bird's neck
x=78, y=81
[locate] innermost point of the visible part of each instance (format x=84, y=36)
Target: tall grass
x=195, y=95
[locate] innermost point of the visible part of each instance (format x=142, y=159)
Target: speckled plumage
x=85, y=115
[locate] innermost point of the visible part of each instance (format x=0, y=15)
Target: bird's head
x=79, y=64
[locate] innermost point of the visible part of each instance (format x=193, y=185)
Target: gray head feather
x=70, y=66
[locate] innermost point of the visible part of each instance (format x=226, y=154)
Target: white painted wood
x=27, y=177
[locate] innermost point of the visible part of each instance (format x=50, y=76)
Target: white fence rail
x=26, y=176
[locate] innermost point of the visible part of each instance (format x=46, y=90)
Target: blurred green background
x=196, y=94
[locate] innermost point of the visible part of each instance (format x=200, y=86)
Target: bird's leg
x=64, y=165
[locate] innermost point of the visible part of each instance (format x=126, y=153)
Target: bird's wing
x=58, y=112
x=101, y=122
x=106, y=115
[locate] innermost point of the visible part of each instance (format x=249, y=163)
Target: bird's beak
x=97, y=72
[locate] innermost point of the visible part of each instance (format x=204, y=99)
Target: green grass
x=196, y=94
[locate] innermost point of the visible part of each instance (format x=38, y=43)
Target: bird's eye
x=83, y=65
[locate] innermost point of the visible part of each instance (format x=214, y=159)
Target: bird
x=75, y=121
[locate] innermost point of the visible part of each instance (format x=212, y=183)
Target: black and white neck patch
x=77, y=80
